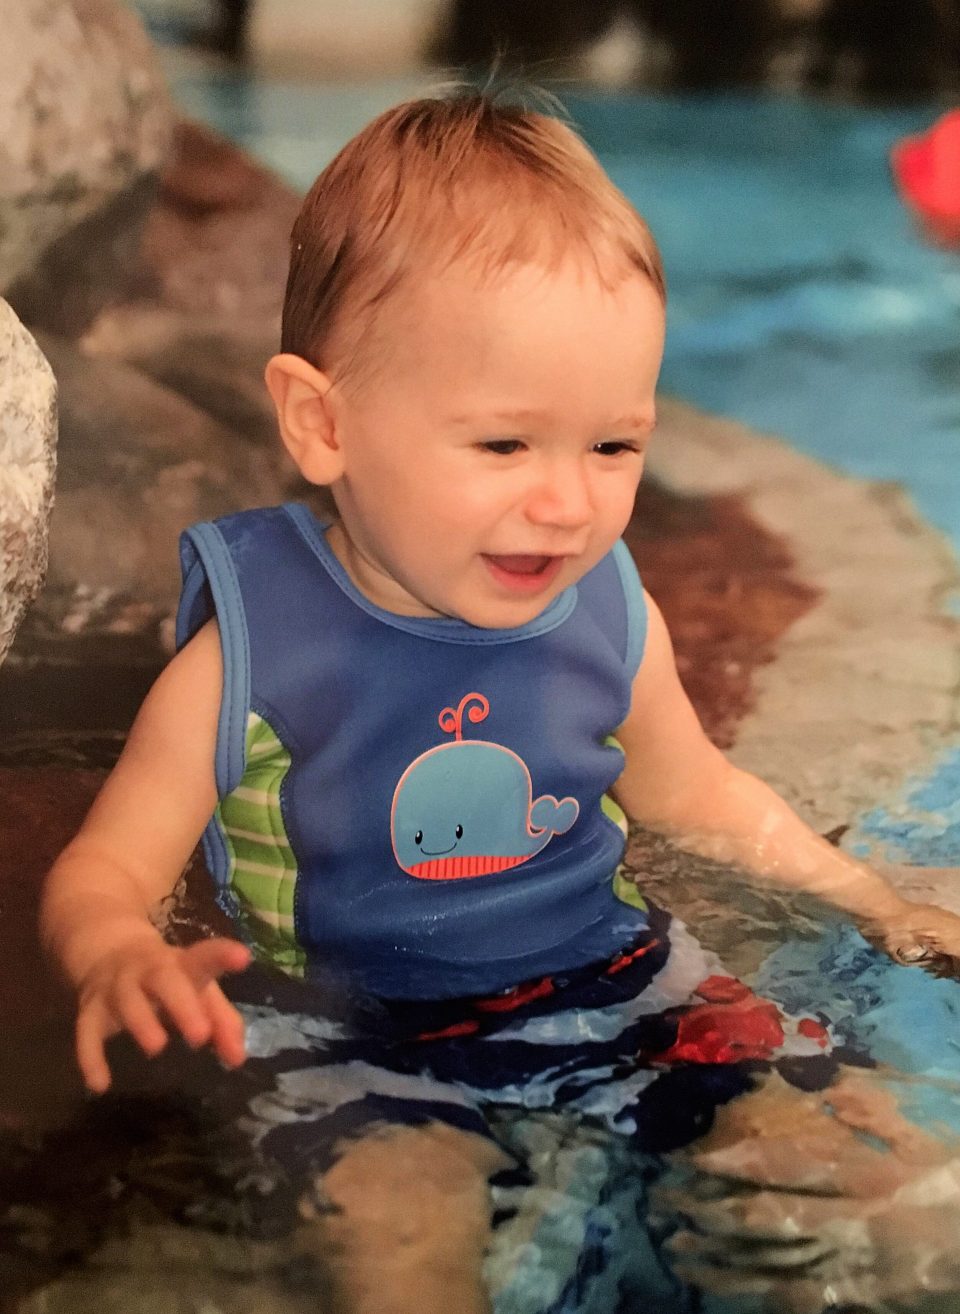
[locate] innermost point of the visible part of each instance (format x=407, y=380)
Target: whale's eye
x=459, y=832
x=418, y=838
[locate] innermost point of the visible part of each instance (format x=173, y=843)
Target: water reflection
x=843, y=1198
x=157, y=1197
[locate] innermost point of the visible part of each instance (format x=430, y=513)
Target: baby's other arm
x=676, y=781
x=126, y=857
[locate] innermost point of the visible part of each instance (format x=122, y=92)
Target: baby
x=418, y=729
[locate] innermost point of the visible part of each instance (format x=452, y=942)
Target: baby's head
x=471, y=337
x=437, y=182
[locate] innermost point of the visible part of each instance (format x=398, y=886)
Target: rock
x=28, y=436
x=85, y=125
x=218, y=240
x=217, y=367
x=164, y=418
x=138, y=463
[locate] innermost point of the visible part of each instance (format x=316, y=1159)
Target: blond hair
x=434, y=181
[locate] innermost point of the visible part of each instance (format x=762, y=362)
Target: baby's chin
x=507, y=614
x=493, y=599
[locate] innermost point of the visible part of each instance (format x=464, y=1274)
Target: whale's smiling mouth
x=438, y=853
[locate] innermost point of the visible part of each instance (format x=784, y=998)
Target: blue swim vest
x=417, y=803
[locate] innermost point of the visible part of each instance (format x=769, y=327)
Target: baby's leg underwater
x=807, y=1199
x=389, y=1164
x=401, y=1220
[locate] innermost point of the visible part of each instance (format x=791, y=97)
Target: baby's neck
x=376, y=585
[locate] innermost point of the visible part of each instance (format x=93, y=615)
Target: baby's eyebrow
x=642, y=422
x=521, y=415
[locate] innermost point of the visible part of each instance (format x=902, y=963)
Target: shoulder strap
x=211, y=590
x=636, y=604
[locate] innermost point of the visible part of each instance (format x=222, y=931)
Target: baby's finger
x=94, y=1026
x=942, y=965
x=139, y=1018
x=226, y=1027
x=206, y=960
x=913, y=953
x=929, y=957
x=176, y=993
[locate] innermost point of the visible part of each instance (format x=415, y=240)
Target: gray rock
x=215, y=363
x=85, y=119
x=137, y=464
x=28, y=437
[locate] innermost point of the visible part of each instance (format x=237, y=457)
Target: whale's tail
x=554, y=815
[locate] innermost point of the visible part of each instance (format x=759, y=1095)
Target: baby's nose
x=561, y=497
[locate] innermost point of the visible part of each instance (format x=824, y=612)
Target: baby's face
x=492, y=458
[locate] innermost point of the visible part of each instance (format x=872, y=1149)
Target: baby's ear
x=301, y=395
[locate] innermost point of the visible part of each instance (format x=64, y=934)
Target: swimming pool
x=803, y=304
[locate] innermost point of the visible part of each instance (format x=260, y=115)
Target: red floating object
x=927, y=172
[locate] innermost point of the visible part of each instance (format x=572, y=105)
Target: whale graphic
x=467, y=808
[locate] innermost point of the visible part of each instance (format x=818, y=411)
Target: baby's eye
x=615, y=447
x=502, y=446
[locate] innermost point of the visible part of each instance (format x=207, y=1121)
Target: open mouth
x=523, y=572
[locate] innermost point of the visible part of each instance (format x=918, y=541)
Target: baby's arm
x=677, y=782
x=128, y=855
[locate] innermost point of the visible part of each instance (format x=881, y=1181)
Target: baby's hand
x=921, y=935
x=132, y=987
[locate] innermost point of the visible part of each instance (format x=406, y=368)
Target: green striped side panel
x=623, y=887
x=615, y=812
x=610, y=808
x=263, y=871
x=626, y=890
